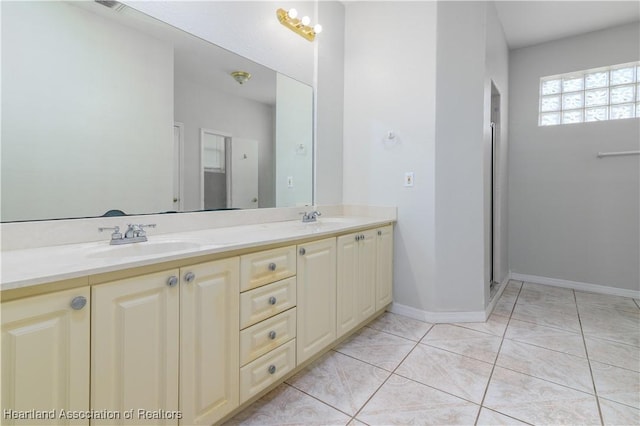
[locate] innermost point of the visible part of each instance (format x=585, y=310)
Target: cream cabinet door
x=316, y=296
x=134, y=347
x=384, y=267
x=366, y=275
x=347, y=284
x=356, y=269
x=209, y=341
x=45, y=357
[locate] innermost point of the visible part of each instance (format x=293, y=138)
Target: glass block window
x=609, y=93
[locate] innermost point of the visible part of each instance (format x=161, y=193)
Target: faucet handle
x=116, y=235
x=140, y=232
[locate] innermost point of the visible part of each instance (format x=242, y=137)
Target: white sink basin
x=146, y=248
x=323, y=224
x=336, y=220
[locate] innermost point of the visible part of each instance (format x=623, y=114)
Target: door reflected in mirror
x=104, y=109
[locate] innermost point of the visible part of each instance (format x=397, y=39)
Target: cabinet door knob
x=379, y=232
x=172, y=281
x=272, y=369
x=357, y=237
x=272, y=300
x=302, y=251
x=272, y=266
x=78, y=302
x=272, y=335
x=189, y=277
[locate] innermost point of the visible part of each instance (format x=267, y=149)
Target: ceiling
x=526, y=23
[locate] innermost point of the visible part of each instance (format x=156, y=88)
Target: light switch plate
x=408, y=179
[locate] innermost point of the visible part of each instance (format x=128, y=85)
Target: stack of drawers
x=267, y=318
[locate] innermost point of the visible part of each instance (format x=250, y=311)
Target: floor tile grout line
x=317, y=399
x=396, y=335
x=586, y=351
x=617, y=366
x=591, y=336
x=495, y=361
x=545, y=325
x=503, y=414
x=459, y=354
x=390, y=375
x=436, y=389
x=577, y=333
x=545, y=380
x=626, y=404
x=544, y=347
x=461, y=325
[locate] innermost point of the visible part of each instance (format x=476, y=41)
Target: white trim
x=180, y=127
x=494, y=301
x=575, y=285
x=437, y=317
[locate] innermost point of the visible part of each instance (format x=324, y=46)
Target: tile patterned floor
x=546, y=356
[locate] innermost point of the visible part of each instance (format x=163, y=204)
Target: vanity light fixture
x=300, y=26
x=241, y=76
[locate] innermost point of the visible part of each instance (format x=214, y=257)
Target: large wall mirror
x=105, y=109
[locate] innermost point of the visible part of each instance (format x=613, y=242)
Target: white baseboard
x=450, y=317
x=481, y=316
x=575, y=285
x=437, y=317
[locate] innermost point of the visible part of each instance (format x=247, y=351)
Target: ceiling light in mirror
x=241, y=76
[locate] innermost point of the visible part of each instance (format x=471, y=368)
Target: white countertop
x=34, y=266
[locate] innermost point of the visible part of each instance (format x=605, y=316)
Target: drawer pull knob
x=78, y=302
x=272, y=369
x=272, y=300
x=379, y=232
x=189, y=277
x=172, y=281
x=272, y=335
x=357, y=237
x=272, y=266
x=302, y=251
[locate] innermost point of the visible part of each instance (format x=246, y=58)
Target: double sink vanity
x=192, y=320
x=188, y=327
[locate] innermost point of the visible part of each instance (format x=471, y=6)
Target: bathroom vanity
x=188, y=327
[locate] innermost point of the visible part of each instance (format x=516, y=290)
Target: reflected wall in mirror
x=104, y=109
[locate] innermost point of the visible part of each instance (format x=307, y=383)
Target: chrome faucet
x=312, y=216
x=133, y=234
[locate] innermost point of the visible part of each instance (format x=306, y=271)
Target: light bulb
x=317, y=28
x=305, y=20
x=292, y=13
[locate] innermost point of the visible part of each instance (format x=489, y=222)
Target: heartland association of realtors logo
x=62, y=414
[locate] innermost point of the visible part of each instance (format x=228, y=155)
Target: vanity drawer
x=267, y=301
x=266, y=370
x=267, y=266
x=267, y=335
